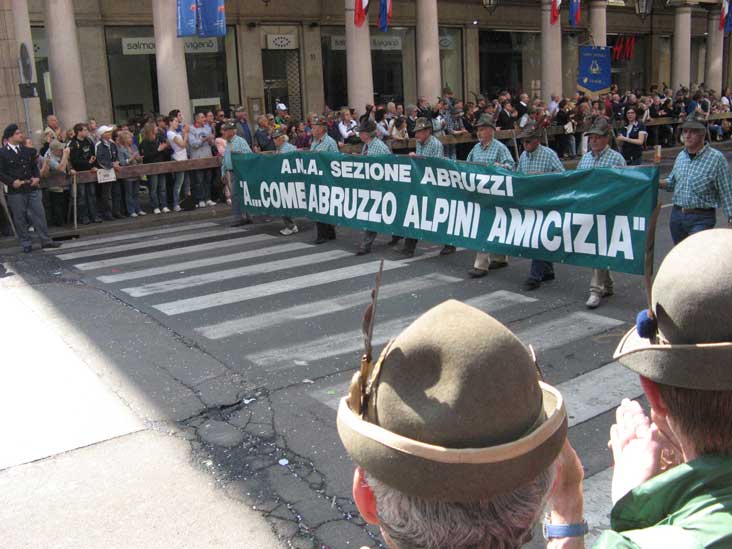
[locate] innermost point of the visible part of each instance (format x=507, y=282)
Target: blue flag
x=728, y=19
x=574, y=12
x=187, y=18
x=211, y=18
x=384, y=14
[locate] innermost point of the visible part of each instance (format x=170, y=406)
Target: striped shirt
x=608, y=158
x=702, y=181
x=495, y=153
x=432, y=148
x=542, y=160
x=375, y=147
x=327, y=144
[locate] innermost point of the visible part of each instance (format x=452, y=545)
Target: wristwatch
x=552, y=531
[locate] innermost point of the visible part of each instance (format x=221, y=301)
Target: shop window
x=509, y=60
x=43, y=75
x=133, y=71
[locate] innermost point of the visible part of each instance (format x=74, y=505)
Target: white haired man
x=457, y=442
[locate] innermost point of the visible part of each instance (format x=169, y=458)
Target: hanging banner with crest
x=594, y=218
x=594, y=77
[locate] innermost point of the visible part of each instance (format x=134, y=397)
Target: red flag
x=618, y=49
x=360, y=12
x=629, y=47
x=554, y=17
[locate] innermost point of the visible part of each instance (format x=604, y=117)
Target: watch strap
x=552, y=531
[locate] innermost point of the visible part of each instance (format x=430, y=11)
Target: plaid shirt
x=432, y=148
x=495, y=153
x=542, y=160
x=454, y=124
x=376, y=147
x=327, y=144
x=607, y=159
x=286, y=147
x=702, y=181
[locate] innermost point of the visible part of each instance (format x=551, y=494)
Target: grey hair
x=502, y=522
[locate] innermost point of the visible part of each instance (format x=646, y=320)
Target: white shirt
x=346, y=129
x=15, y=148
x=179, y=153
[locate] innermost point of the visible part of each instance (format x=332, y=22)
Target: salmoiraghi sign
x=592, y=218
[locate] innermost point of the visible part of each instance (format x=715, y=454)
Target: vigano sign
x=592, y=218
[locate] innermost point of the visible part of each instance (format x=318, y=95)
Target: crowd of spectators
x=156, y=138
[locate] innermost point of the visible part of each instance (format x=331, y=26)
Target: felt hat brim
x=433, y=472
x=705, y=366
x=693, y=125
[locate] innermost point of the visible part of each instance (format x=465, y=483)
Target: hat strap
x=441, y=454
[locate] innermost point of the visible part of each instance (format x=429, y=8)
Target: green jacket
x=687, y=507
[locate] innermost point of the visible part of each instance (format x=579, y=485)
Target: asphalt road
x=270, y=332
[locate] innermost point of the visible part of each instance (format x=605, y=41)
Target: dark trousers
x=201, y=185
x=25, y=206
x=540, y=269
x=57, y=207
x=685, y=224
x=87, y=201
x=110, y=199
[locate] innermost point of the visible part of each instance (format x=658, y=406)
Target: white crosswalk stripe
x=261, y=321
x=248, y=270
x=174, y=252
x=186, y=237
x=351, y=341
x=239, y=295
x=85, y=242
x=205, y=262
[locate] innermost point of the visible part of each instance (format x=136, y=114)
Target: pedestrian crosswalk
x=286, y=307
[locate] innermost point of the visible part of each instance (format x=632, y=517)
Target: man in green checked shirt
x=429, y=146
x=372, y=146
x=322, y=142
x=600, y=155
x=700, y=181
x=491, y=152
x=537, y=159
x=279, y=136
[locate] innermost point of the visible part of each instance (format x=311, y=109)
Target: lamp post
x=490, y=5
x=643, y=8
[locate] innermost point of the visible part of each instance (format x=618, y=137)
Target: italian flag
x=360, y=12
x=554, y=17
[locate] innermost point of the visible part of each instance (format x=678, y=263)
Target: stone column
x=314, y=92
x=598, y=22
x=551, y=53
x=728, y=62
x=681, y=55
x=428, y=51
x=358, y=63
x=64, y=62
x=715, y=52
x=23, y=36
x=472, y=62
x=170, y=61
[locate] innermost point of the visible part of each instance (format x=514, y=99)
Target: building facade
x=308, y=55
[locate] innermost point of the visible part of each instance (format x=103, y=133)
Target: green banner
x=592, y=218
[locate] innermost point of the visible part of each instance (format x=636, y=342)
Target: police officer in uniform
x=19, y=171
x=322, y=142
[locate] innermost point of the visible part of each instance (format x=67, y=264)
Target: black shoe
x=547, y=277
x=51, y=244
x=497, y=265
x=394, y=241
x=407, y=252
x=531, y=284
x=447, y=250
x=363, y=250
x=108, y=217
x=321, y=240
x=117, y=215
x=97, y=220
x=241, y=223
x=27, y=249
x=477, y=273
x=85, y=221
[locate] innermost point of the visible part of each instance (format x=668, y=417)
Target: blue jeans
x=685, y=224
x=201, y=185
x=180, y=177
x=158, y=192
x=132, y=195
x=540, y=269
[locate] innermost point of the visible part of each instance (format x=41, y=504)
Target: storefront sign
x=281, y=41
x=383, y=43
x=468, y=205
x=594, y=76
x=146, y=45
